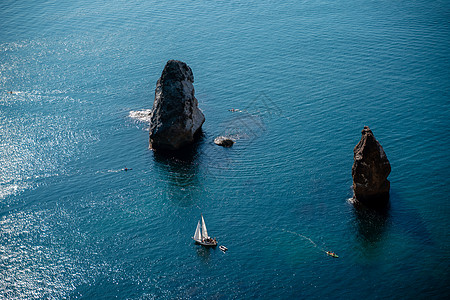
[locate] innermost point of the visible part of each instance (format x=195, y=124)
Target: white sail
x=204, y=231
x=197, y=235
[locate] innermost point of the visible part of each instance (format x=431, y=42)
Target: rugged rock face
x=175, y=117
x=223, y=141
x=370, y=171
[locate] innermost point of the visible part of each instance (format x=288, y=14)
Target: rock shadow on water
x=179, y=170
x=371, y=223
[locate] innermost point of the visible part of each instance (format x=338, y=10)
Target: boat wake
x=111, y=171
x=300, y=235
x=332, y=254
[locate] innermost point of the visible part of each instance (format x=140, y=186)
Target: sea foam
x=140, y=115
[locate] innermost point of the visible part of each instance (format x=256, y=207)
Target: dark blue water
x=306, y=75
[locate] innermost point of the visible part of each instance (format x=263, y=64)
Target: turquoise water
x=306, y=75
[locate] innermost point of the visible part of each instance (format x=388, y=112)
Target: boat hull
x=206, y=244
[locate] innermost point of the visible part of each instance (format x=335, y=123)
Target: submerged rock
x=223, y=141
x=370, y=171
x=175, y=119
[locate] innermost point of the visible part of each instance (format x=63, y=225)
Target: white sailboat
x=201, y=235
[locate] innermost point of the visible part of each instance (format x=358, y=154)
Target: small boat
x=201, y=235
x=223, y=248
x=332, y=254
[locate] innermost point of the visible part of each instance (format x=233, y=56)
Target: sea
x=77, y=81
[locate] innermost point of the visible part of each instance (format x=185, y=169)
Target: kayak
x=332, y=254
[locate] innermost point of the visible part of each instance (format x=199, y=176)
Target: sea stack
x=370, y=171
x=175, y=119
